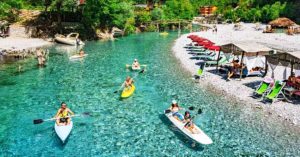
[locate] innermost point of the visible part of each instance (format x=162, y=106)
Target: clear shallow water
x=130, y=127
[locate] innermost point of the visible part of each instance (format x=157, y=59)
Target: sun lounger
x=205, y=57
x=200, y=53
x=262, y=89
x=197, y=50
x=193, y=47
x=275, y=92
x=222, y=61
x=250, y=74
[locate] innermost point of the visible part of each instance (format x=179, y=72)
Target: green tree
x=106, y=14
x=157, y=14
x=142, y=17
x=179, y=9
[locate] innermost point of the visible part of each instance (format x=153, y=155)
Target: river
x=131, y=127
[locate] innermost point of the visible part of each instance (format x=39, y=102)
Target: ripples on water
x=130, y=127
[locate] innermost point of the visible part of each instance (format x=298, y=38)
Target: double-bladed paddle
x=192, y=108
x=39, y=121
x=142, y=71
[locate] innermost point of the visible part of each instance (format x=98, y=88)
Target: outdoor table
x=289, y=91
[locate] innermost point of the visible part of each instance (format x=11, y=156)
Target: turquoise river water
x=132, y=127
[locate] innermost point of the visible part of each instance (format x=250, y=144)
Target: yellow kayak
x=164, y=33
x=127, y=92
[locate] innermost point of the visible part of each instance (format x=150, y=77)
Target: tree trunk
x=58, y=7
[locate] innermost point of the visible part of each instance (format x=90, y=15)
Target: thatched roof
x=285, y=59
x=282, y=22
x=249, y=48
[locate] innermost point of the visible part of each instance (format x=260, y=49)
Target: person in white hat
x=174, y=109
x=136, y=64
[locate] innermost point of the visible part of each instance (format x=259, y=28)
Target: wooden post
x=292, y=67
x=241, y=73
x=266, y=67
x=157, y=26
x=218, y=58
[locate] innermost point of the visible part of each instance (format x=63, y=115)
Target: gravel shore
x=14, y=43
x=237, y=90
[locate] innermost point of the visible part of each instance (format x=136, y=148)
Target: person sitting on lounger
x=233, y=68
x=175, y=110
x=293, y=80
x=256, y=69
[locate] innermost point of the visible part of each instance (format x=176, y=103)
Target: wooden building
x=207, y=10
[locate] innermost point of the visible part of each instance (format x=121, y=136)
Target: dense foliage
x=252, y=10
x=125, y=15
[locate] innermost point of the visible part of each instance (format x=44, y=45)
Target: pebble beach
x=241, y=90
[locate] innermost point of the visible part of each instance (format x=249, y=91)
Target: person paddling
x=188, y=122
x=175, y=110
x=62, y=115
x=128, y=82
x=136, y=64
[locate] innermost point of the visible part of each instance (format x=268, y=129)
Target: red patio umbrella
x=191, y=36
x=215, y=48
x=205, y=43
x=200, y=40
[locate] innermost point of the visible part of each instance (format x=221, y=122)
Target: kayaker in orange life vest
x=128, y=82
x=62, y=115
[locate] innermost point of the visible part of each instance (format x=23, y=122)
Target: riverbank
x=19, y=47
x=18, y=44
x=115, y=125
x=242, y=90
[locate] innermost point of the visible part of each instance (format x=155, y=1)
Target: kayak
x=77, y=57
x=127, y=92
x=164, y=33
x=135, y=68
x=63, y=131
x=198, y=135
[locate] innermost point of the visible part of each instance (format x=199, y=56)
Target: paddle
x=39, y=121
x=131, y=78
x=192, y=108
x=119, y=88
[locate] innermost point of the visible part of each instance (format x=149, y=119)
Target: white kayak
x=77, y=56
x=135, y=68
x=63, y=131
x=198, y=135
